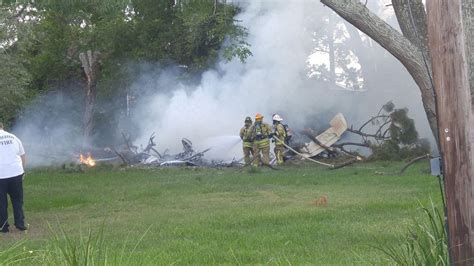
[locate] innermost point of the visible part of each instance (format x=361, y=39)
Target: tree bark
x=394, y=42
x=468, y=23
x=451, y=77
x=368, y=66
x=411, y=17
x=91, y=66
x=405, y=10
x=332, y=58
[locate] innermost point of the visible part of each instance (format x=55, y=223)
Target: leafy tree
x=13, y=86
x=189, y=33
x=15, y=77
x=49, y=35
x=331, y=40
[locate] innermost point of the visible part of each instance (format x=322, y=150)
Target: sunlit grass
x=235, y=216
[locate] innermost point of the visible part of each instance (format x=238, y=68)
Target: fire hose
x=331, y=166
x=302, y=156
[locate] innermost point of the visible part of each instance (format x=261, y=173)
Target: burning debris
x=87, y=160
x=391, y=127
x=150, y=156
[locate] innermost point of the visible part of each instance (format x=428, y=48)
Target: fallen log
x=351, y=161
x=426, y=156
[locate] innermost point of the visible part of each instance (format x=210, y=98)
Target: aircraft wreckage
x=132, y=155
x=328, y=147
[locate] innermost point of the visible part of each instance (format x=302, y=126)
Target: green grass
x=228, y=216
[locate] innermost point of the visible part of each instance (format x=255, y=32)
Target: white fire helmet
x=276, y=117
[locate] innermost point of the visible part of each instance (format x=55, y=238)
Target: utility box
x=436, y=166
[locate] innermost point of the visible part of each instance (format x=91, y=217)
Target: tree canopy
x=41, y=42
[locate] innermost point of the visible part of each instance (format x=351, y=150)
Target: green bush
x=392, y=151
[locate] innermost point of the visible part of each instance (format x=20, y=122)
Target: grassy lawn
x=216, y=216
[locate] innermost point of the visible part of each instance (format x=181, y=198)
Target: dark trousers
x=12, y=186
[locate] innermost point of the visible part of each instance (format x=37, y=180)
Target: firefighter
x=247, y=143
x=260, y=133
x=279, y=136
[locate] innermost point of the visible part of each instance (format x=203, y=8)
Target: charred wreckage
x=390, y=127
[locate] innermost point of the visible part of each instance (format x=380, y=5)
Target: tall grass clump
x=16, y=254
x=426, y=243
x=88, y=249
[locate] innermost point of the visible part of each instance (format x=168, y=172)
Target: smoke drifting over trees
x=276, y=79
x=177, y=100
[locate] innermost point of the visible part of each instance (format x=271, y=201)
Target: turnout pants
x=248, y=155
x=279, y=150
x=261, y=152
x=12, y=186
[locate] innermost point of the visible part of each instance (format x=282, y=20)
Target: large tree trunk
x=91, y=65
x=451, y=77
x=468, y=23
x=411, y=17
x=332, y=58
x=394, y=42
x=368, y=65
x=452, y=57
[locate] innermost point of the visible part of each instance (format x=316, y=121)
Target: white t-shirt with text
x=10, y=151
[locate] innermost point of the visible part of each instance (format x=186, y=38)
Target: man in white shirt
x=12, y=163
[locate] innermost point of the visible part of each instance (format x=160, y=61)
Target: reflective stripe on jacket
x=263, y=143
x=260, y=131
x=245, y=136
x=280, y=134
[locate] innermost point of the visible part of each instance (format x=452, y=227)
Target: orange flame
x=89, y=161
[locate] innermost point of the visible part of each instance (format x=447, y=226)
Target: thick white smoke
x=50, y=130
x=212, y=110
x=273, y=80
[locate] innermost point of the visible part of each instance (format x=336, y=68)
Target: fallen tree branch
x=340, y=145
x=426, y=156
x=385, y=133
x=157, y=153
x=346, y=163
x=372, y=119
x=377, y=137
x=125, y=161
x=382, y=126
x=127, y=142
x=355, y=155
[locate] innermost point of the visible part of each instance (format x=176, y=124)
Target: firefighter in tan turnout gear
x=260, y=133
x=247, y=142
x=279, y=136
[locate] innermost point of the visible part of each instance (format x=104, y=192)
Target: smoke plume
x=211, y=110
x=274, y=80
